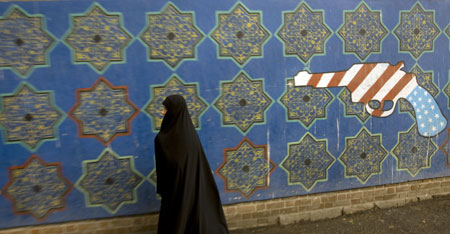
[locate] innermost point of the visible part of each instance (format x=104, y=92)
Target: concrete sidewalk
x=429, y=216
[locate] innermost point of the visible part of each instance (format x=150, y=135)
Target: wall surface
x=278, y=211
x=81, y=86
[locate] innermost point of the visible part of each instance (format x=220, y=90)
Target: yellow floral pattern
x=363, y=155
x=24, y=41
x=307, y=162
x=98, y=38
x=29, y=117
x=171, y=36
x=246, y=168
x=240, y=34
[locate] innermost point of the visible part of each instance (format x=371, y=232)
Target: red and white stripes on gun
x=366, y=82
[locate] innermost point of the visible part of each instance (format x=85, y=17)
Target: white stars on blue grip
x=428, y=115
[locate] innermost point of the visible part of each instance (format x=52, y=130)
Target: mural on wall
x=29, y=117
x=308, y=162
x=171, y=36
x=103, y=111
x=37, y=188
x=413, y=152
x=109, y=181
x=363, y=155
x=303, y=33
x=302, y=94
x=416, y=31
x=377, y=84
x=305, y=104
x=240, y=34
x=242, y=102
x=246, y=168
x=25, y=41
x=97, y=38
x=362, y=31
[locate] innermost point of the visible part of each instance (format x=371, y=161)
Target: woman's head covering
x=177, y=133
x=177, y=115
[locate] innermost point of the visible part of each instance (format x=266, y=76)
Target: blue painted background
x=63, y=77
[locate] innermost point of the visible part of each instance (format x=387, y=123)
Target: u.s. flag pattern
x=429, y=118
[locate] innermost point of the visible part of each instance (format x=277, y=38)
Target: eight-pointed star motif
x=242, y=102
x=29, y=117
x=307, y=162
x=303, y=32
x=413, y=151
x=175, y=85
x=362, y=31
x=24, y=41
x=240, y=34
x=447, y=31
x=356, y=109
x=246, y=168
x=446, y=90
x=416, y=31
x=109, y=181
x=445, y=147
x=305, y=104
x=37, y=188
x=363, y=155
x=97, y=38
x=103, y=111
x=171, y=36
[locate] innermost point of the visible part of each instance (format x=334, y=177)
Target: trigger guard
x=382, y=113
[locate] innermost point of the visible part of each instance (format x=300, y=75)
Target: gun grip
x=430, y=120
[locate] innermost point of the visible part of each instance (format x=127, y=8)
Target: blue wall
x=79, y=113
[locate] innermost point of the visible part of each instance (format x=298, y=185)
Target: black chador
x=190, y=199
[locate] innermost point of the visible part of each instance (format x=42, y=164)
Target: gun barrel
x=366, y=82
x=329, y=79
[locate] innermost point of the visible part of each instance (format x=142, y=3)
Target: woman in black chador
x=190, y=199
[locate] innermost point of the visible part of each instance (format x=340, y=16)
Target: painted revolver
x=381, y=83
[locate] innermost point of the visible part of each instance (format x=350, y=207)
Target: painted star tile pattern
x=304, y=33
x=171, y=36
x=29, y=116
x=446, y=90
x=175, y=85
x=447, y=31
x=152, y=177
x=362, y=31
x=110, y=181
x=103, y=111
x=416, y=31
x=445, y=147
x=37, y=188
x=363, y=155
x=307, y=162
x=305, y=104
x=240, y=34
x=246, y=168
x=243, y=102
x=24, y=43
x=97, y=38
x=356, y=109
x=413, y=151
